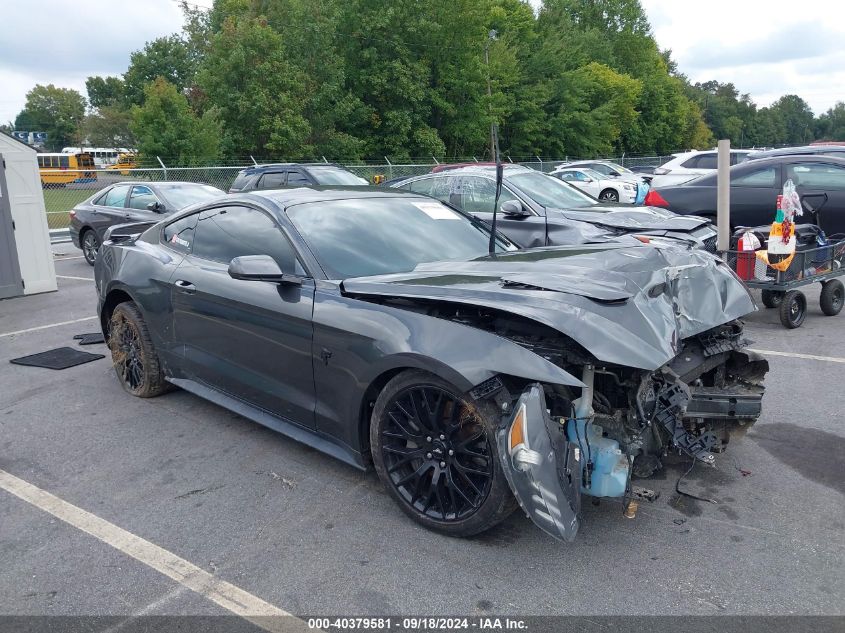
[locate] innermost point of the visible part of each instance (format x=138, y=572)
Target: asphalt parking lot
x=309, y=535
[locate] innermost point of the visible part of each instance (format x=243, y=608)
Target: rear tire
x=133, y=355
x=435, y=451
x=772, y=298
x=831, y=299
x=90, y=244
x=793, y=309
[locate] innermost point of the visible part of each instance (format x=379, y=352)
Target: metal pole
x=253, y=160
x=162, y=167
x=436, y=162
x=325, y=161
x=490, y=36
x=390, y=166
x=541, y=163
x=723, y=195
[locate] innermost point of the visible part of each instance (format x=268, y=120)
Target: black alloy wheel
x=436, y=454
x=133, y=356
x=90, y=246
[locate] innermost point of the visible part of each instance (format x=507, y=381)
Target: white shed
x=26, y=258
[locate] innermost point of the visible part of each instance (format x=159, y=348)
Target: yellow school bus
x=125, y=162
x=58, y=170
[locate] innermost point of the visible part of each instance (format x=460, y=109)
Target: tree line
x=364, y=79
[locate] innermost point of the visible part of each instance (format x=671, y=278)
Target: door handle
x=185, y=286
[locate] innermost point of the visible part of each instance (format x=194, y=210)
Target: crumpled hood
x=635, y=218
x=629, y=306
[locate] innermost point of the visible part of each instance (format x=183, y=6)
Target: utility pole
x=492, y=35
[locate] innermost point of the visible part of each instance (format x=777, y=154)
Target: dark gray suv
x=283, y=175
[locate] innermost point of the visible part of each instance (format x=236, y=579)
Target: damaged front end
x=557, y=442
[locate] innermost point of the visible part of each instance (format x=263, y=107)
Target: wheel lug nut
x=442, y=437
x=428, y=438
x=428, y=455
x=442, y=464
x=451, y=452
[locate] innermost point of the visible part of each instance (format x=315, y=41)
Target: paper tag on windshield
x=436, y=211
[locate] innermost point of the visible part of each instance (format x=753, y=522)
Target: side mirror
x=156, y=207
x=513, y=209
x=261, y=268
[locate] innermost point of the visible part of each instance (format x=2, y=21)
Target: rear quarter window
x=241, y=182
x=179, y=235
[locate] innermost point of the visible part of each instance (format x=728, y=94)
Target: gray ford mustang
x=374, y=325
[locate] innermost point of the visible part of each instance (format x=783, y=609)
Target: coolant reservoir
x=610, y=466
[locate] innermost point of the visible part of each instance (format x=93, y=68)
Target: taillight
x=654, y=199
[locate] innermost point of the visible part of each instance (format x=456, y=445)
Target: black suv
x=280, y=175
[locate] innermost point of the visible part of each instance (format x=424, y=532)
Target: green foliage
x=167, y=57
x=364, y=79
x=109, y=126
x=56, y=111
x=166, y=126
x=830, y=126
x=105, y=91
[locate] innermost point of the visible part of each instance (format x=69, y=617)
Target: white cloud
x=63, y=43
x=766, y=48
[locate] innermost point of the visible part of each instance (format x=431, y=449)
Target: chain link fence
x=60, y=198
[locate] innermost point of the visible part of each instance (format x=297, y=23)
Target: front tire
x=435, y=452
x=90, y=244
x=609, y=195
x=133, y=355
x=793, y=309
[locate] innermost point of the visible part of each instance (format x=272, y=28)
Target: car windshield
x=181, y=196
x=335, y=176
x=374, y=236
x=550, y=192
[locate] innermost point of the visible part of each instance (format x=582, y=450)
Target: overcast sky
x=765, y=47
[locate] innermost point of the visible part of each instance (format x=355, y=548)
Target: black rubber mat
x=59, y=358
x=90, y=339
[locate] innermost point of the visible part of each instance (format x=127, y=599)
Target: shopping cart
x=822, y=264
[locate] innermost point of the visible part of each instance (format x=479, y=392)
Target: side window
x=228, y=232
x=567, y=175
x=817, y=176
x=478, y=194
x=602, y=169
x=179, y=235
x=690, y=163
x=140, y=197
x=765, y=177
x=580, y=176
x=707, y=161
x=64, y=161
x=296, y=178
x=116, y=197
x=423, y=186
x=272, y=180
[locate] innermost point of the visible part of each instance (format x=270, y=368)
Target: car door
x=754, y=194
x=109, y=209
x=249, y=339
x=137, y=207
x=822, y=188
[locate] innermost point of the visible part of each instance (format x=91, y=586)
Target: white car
x=597, y=185
x=688, y=165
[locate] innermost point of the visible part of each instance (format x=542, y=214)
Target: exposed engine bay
x=624, y=420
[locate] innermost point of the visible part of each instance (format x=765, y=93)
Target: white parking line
x=79, y=278
x=62, y=258
x=45, y=327
x=222, y=593
x=769, y=352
